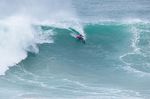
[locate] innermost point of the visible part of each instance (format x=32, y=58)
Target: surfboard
x=73, y=30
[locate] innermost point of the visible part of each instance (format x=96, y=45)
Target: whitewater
x=39, y=59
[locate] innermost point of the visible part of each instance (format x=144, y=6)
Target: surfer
x=80, y=37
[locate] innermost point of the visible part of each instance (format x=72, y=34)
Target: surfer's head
x=80, y=35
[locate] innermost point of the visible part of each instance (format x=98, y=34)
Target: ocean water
x=39, y=59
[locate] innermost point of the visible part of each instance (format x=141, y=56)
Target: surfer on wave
x=80, y=37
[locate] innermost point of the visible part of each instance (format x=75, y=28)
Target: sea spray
x=17, y=38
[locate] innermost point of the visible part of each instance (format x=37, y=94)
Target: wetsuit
x=80, y=37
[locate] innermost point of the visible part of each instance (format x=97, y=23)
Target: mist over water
x=39, y=58
x=112, y=10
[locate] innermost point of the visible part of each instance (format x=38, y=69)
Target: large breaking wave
x=20, y=30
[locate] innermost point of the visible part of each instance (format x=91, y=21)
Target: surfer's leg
x=83, y=41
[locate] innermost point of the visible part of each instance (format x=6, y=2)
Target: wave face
x=41, y=60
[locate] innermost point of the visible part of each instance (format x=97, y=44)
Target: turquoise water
x=41, y=60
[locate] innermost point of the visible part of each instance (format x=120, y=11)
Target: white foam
x=134, y=21
x=136, y=32
x=17, y=37
x=135, y=40
x=93, y=92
